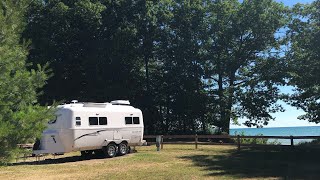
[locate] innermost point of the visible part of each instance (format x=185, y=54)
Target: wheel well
x=105, y=146
x=111, y=143
x=126, y=142
x=114, y=143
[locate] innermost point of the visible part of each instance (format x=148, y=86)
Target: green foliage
x=176, y=83
x=241, y=59
x=21, y=118
x=104, y=50
x=254, y=140
x=187, y=64
x=303, y=60
x=92, y=48
x=311, y=143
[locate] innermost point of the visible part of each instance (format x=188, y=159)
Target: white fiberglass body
x=91, y=126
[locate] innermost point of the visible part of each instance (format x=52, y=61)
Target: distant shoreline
x=280, y=131
x=273, y=127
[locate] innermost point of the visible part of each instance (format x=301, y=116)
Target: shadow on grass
x=61, y=160
x=263, y=163
x=58, y=160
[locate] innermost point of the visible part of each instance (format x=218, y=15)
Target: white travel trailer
x=110, y=128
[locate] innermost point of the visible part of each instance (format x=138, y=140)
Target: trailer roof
x=91, y=106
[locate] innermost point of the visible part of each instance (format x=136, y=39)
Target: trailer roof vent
x=120, y=102
x=98, y=105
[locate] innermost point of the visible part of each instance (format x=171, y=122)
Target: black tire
x=122, y=149
x=86, y=154
x=36, y=145
x=110, y=151
x=128, y=150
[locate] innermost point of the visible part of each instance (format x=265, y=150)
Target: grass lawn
x=175, y=162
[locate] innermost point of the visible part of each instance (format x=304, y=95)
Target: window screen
x=128, y=120
x=103, y=121
x=93, y=120
x=78, y=121
x=136, y=120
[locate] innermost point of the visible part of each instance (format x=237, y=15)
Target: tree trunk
x=222, y=105
x=204, y=128
x=226, y=126
x=168, y=118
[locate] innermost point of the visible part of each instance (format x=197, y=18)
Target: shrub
x=254, y=140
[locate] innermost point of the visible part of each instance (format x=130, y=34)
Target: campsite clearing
x=174, y=162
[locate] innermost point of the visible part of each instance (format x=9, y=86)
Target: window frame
x=99, y=118
x=125, y=120
x=78, y=120
x=90, y=121
x=131, y=120
x=105, y=119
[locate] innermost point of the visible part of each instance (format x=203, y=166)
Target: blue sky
x=289, y=117
x=292, y=2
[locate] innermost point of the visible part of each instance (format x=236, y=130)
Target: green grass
x=176, y=162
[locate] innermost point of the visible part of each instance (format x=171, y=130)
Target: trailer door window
x=136, y=120
x=53, y=120
x=78, y=121
x=128, y=120
x=93, y=121
x=103, y=121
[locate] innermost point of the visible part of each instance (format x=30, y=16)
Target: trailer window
x=128, y=120
x=136, y=120
x=93, y=120
x=103, y=121
x=132, y=120
x=54, y=120
x=78, y=121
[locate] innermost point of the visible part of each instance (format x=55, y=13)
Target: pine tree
x=21, y=118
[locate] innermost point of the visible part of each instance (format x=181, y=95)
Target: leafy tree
x=303, y=60
x=186, y=64
x=177, y=78
x=21, y=118
x=91, y=47
x=102, y=50
x=240, y=65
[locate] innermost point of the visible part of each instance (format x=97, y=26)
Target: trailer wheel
x=110, y=150
x=36, y=145
x=123, y=149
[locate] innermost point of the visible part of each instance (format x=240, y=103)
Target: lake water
x=281, y=131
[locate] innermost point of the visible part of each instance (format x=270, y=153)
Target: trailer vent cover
x=98, y=105
x=120, y=102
